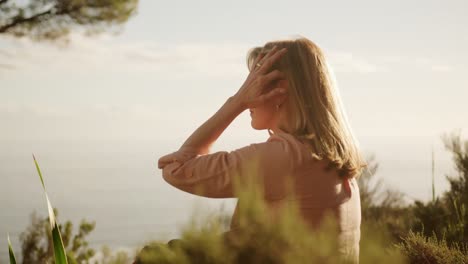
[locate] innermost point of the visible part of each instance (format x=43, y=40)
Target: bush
x=36, y=241
x=447, y=217
x=421, y=249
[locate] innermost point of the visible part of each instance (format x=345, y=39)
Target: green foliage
x=119, y=257
x=459, y=182
x=421, y=249
x=383, y=209
x=457, y=198
x=430, y=218
x=10, y=252
x=53, y=19
x=446, y=217
x=37, y=244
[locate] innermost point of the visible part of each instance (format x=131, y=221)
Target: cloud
x=222, y=59
x=441, y=68
x=130, y=111
x=347, y=62
x=396, y=62
x=105, y=52
x=205, y=59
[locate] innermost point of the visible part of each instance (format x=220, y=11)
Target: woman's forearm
x=205, y=135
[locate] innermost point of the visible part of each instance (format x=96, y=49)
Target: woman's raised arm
x=215, y=175
x=251, y=93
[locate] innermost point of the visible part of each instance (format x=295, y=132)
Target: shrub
x=421, y=249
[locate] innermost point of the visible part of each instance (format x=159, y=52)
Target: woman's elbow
x=170, y=171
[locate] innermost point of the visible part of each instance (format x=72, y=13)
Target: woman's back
x=318, y=191
x=280, y=159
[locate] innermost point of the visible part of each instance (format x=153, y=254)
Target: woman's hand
x=251, y=93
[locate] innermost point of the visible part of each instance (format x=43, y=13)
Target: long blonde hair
x=314, y=112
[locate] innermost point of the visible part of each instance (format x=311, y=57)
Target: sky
x=400, y=68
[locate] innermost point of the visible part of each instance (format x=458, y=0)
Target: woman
x=290, y=92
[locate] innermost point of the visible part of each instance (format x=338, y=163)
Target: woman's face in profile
x=266, y=116
x=263, y=117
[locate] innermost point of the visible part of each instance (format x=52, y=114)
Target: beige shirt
x=280, y=158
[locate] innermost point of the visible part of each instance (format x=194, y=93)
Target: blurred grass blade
x=39, y=171
x=59, y=249
x=10, y=250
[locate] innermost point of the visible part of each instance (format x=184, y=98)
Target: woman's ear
x=281, y=98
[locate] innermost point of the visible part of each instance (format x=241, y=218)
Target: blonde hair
x=314, y=112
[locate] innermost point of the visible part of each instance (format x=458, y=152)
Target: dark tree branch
x=52, y=19
x=19, y=20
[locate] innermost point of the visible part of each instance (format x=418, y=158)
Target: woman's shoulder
x=287, y=138
x=290, y=145
x=282, y=136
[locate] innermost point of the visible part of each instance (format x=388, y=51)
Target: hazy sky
x=400, y=65
x=100, y=112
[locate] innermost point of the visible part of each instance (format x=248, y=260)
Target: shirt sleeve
x=215, y=175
